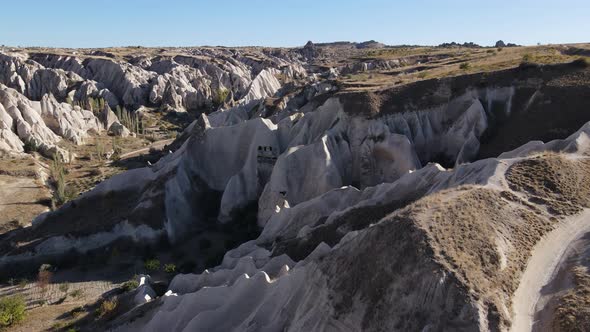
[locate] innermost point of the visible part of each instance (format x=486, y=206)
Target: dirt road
x=547, y=259
x=156, y=145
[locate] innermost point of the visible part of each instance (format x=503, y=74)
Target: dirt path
x=21, y=199
x=156, y=145
x=546, y=261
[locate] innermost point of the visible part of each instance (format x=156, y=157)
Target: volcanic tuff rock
x=179, y=83
x=378, y=209
x=42, y=123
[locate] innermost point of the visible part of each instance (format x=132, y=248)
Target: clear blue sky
x=101, y=23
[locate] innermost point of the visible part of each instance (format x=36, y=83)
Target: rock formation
x=405, y=208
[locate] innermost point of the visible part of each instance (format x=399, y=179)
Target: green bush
x=170, y=268
x=130, y=285
x=152, y=265
x=465, y=66
x=12, y=310
x=220, y=96
x=107, y=308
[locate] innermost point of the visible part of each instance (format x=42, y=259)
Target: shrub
x=464, y=66
x=30, y=146
x=107, y=308
x=12, y=310
x=130, y=285
x=170, y=268
x=152, y=265
x=220, y=96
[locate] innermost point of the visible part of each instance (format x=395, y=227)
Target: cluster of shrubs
x=155, y=265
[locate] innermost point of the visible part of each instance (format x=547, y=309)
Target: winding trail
x=156, y=145
x=546, y=260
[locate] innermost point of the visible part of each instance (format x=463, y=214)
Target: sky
x=106, y=23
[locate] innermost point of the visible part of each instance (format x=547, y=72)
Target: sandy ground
x=547, y=259
x=21, y=199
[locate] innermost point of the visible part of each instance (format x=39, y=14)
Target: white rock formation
x=42, y=124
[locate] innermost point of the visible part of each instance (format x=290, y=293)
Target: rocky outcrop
x=40, y=125
x=182, y=82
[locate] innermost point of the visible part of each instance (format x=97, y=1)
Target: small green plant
x=152, y=265
x=12, y=310
x=130, y=285
x=220, y=96
x=465, y=66
x=422, y=75
x=107, y=308
x=170, y=268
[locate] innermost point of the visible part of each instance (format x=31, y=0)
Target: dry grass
x=551, y=179
x=484, y=239
x=573, y=311
x=451, y=62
